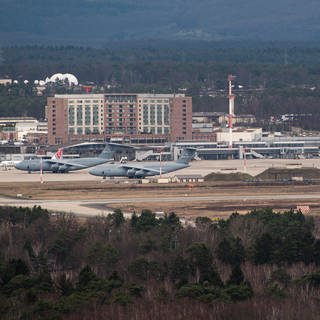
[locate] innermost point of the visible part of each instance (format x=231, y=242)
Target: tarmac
x=200, y=167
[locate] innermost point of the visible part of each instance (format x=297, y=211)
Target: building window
x=71, y=119
x=79, y=115
x=87, y=115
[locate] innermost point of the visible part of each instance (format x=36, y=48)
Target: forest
x=261, y=265
x=275, y=78
x=96, y=22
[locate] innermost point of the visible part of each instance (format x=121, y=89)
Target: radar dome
x=66, y=77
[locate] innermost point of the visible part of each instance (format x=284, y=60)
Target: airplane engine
x=54, y=168
x=63, y=169
x=131, y=173
x=140, y=174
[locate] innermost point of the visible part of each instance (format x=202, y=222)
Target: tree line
x=60, y=267
x=276, y=78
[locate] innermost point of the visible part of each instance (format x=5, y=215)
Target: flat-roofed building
x=77, y=117
x=239, y=134
x=207, y=117
x=181, y=118
x=238, y=119
x=17, y=128
x=5, y=81
x=184, y=178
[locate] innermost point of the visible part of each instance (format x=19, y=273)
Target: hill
x=96, y=22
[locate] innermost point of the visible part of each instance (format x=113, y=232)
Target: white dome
x=66, y=77
x=71, y=78
x=26, y=81
x=15, y=81
x=56, y=77
x=36, y=81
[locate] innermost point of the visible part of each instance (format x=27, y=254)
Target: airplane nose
x=94, y=172
x=18, y=165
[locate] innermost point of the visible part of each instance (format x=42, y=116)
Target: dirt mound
x=289, y=174
x=237, y=176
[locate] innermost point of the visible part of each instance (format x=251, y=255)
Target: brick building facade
x=88, y=116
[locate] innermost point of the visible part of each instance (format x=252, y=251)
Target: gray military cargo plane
x=60, y=165
x=141, y=170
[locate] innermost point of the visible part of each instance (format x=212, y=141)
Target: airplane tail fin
x=106, y=153
x=187, y=155
x=58, y=154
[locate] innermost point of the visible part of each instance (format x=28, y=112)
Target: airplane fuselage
x=147, y=169
x=58, y=166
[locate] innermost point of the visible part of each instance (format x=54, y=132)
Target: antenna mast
x=161, y=163
x=231, y=108
x=41, y=171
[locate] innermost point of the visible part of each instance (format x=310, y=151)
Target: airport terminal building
x=151, y=117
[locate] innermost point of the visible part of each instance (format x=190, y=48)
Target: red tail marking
x=58, y=154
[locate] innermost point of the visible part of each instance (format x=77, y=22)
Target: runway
x=94, y=207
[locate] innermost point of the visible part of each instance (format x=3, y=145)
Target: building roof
x=102, y=95
x=205, y=113
x=16, y=118
x=238, y=130
x=81, y=96
x=189, y=176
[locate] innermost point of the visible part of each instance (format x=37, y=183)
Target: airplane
x=59, y=165
x=140, y=170
x=12, y=163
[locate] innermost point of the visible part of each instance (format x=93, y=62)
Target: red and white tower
x=231, y=108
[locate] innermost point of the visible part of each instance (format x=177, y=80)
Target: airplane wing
x=146, y=169
x=64, y=163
